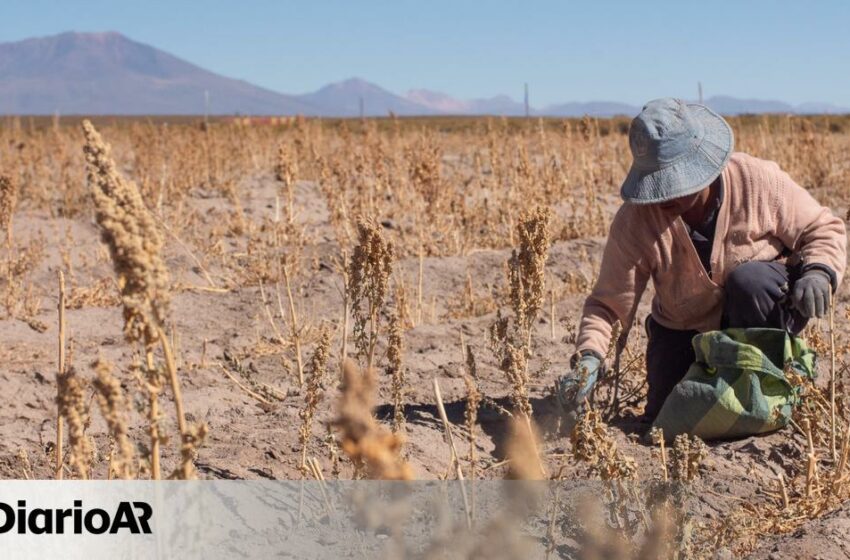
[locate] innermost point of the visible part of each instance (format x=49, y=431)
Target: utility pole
x=527, y=112
x=699, y=89
x=362, y=112
x=206, y=107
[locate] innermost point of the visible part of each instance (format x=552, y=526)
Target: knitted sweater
x=764, y=216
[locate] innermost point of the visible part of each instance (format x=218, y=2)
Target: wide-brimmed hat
x=678, y=149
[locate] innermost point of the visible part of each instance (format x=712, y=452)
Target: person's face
x=679, y=206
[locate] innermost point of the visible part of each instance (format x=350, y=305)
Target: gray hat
x=678, y=149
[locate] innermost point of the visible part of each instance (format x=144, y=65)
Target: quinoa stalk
x=135, y=246
x=59, y=474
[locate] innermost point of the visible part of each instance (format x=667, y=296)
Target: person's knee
x=753, y=294
x=746, y=280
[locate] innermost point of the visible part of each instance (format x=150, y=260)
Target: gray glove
x=812, y=293
x=572, y=389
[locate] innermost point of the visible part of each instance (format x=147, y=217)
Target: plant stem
x=296, y=338
x=343, y=351
x=419, y=286
x=60, y=372
x=833, y=447
x=373, y=336
x=171, y=368
x=552, y=312
x=533, y=441
x=455, y=457
x=153, y=429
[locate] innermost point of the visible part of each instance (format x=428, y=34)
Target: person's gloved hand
x=812, y=293
x=572, y=389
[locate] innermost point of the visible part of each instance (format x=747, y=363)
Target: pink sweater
x=763, y=211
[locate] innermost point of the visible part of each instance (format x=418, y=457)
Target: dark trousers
x=756, y=296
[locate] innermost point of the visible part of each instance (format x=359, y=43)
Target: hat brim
x=688, y=175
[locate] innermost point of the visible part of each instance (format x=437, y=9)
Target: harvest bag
x=737, y=385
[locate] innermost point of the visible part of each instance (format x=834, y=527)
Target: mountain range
x=107, y=73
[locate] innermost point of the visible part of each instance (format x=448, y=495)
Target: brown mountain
x=107, y=73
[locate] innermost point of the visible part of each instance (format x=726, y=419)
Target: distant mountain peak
x=95, y=35
x=352, y=83
x=348, y=97
x=108, y=73
x=444, y=103
x=437, y=101
x=77, y=35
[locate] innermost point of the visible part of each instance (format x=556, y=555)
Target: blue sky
x=566, y=51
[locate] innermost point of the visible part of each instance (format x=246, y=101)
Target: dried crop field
x=180, y=306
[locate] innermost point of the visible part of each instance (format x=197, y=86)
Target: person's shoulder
x=755, y=179
x=628, y=214
x=745, y=163
x=757, y=184
x=635, y=223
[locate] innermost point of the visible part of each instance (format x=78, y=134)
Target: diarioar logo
x=130, y=517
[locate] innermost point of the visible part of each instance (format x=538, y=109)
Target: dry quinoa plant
x=526, y=269
x=135, y=245
x=191, y=441
x=593, y=444
x=60, y=371
x=317, y=369
x=8, y=202
x=280, y=256
x=74, y=409
x=114, y=407
x=395, y=369
x=294, y=329
x=513, y=361
x=368, y=280
x=374, y=450
x=26, y=466
x=18, y=298
x=686, y=455
x=526, y=277
x=285, y=170
x=149, y=378
x=651, y=521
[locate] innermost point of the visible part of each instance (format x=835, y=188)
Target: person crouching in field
x=729, y=241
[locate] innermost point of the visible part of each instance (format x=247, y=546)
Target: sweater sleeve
x=810, y=230
x=622, y=280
